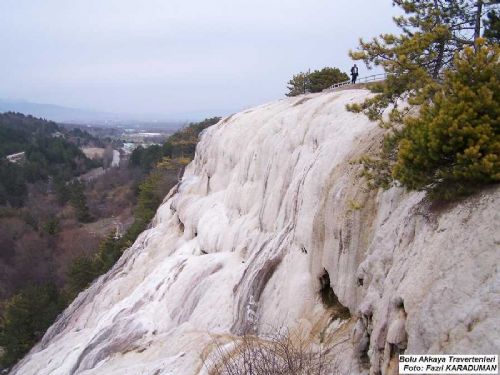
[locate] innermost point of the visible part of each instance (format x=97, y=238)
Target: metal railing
x=367, y=79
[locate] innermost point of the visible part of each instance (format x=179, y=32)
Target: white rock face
x=270, y=202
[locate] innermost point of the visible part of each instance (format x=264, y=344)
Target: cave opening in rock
x=330, y=299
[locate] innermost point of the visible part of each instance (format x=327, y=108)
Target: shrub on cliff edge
x=453, y=145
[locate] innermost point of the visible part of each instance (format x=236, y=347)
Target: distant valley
x=70, y=115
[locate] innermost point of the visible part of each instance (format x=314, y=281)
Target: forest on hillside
x=49, y=152
x=438, y=109
x=63, y=233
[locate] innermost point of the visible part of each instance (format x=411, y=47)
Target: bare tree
x=281, y=353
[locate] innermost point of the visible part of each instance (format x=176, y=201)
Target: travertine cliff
x=270, y=210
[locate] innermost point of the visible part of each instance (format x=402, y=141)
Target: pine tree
x=81, y=273
x=299, y=84
x=79, y=201
x=434, y=37
x=320, y=80
x=453, y=145
x=432, y=31
x=316, y=81
x=25, y=319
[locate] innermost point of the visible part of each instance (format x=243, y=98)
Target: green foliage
x=150, y=197
x=110, y=250
x=320, y=80
x=146, y=158
x=62, y=190
x=183, y=143
x=81, y=273
x=316, y=81
x=51, y=226
x=28, y=314
x=78, y=200
x=432, y=32
x=179, y=150
x=85, y=269
x=453, y=145
x=354, y=205
x=180, y=144
x=492, y=27
x=45, y=155
x=298, y=85
x=13, y=187
x=17, y=131
x=26, y=317
x=424, y=70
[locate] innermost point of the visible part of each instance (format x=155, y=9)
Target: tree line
x=316, y=81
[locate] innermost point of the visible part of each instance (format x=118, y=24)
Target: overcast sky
x=174, y=57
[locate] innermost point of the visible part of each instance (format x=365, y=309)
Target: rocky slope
x=270, y=212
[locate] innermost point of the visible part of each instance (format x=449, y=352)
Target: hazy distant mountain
x=81, y=116
x=55, y=112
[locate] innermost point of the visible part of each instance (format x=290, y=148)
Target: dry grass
x=93, y=152
x=282, y=353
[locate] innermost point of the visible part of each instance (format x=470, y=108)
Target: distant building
x=16, y=158
x=58, y=135
x=128, y=147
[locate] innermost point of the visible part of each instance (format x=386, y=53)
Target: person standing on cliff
x=354, y=74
